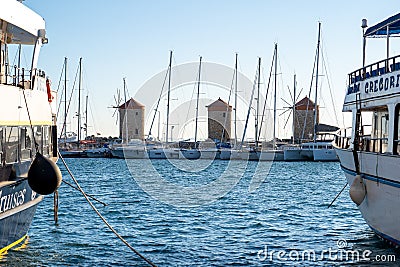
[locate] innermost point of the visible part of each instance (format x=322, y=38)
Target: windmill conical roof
x=305, y=104
x=219, y=105
x=131, y=104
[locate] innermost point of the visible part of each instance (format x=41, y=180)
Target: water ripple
x=287, y=212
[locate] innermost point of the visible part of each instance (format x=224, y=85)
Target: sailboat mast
x=276, y=70
x=316, y=84
x=125, y=113
x=294, y=108
x=258, y=100
x=197, y=105
x=248, y=114
x=65, y=100
x=236, y=81
x=79, y=100
x=169, y=93
x=86, y=116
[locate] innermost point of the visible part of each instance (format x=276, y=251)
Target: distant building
x=303, y=120
x=133, y=125
x=219, y=120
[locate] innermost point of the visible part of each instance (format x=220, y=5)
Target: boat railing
x=342, y=138
x=376, y=69
x=376, y=145
x=20, y=77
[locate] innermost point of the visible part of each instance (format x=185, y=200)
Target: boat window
x=376, y=124
x=46, y=140
x=2, y=63
x=11, y=144
x=26, y=143
x=1, y=145
x=38, y=137
x=396, y=145
x=384, y=124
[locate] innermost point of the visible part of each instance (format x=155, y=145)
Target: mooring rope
x=92, y=197
x=337, y=195
x=101, y=216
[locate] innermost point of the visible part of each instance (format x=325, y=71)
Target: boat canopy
x=381, y=29
x=19, y=24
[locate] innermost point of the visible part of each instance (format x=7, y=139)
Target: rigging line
x=309, y=95
x=59, y=81
x=266, y=95
x=330, y=89
x=101, y=216
x=92, y=197
x=93, y=120
x=227, y=106
x=69, y=102
x=58, y=87
x=159, y=99
x=249, y=109
x=190, y=102
x=30, y=123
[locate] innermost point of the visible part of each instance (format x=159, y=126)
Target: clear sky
x=132, y=39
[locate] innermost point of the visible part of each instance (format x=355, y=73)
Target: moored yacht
x=134, y=149
x=310, y=151
x=370, y=159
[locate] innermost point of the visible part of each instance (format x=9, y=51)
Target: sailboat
x=274, y=153
x=72, y=149
x=128, y=149
x=226, y=153
x=155, y=151
x=193, y=152
x=256, y=152
x=315, y=150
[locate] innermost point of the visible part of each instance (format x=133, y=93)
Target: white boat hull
x=270, y=155
x=297, y=154
x=160, y=153
x=210, y=154
x=189, y=154
x=380, y=207
x=98, y=153
x=228, y=154
x=311, y=153
x=129, y=153
x=325, y=155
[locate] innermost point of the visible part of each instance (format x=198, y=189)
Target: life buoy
x=49, y=95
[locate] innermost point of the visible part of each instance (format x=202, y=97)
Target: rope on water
x=101, y=216
x=338, y=195
x=92, y=197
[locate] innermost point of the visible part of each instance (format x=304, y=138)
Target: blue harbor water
x=286, y=212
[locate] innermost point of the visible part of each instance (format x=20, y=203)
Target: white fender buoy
x=44, y=176
x=357, y=190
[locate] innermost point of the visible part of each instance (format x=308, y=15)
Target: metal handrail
x=18, y=76
x=375, y=69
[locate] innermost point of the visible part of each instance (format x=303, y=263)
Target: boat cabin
x=27, y=113
x=373, y=97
